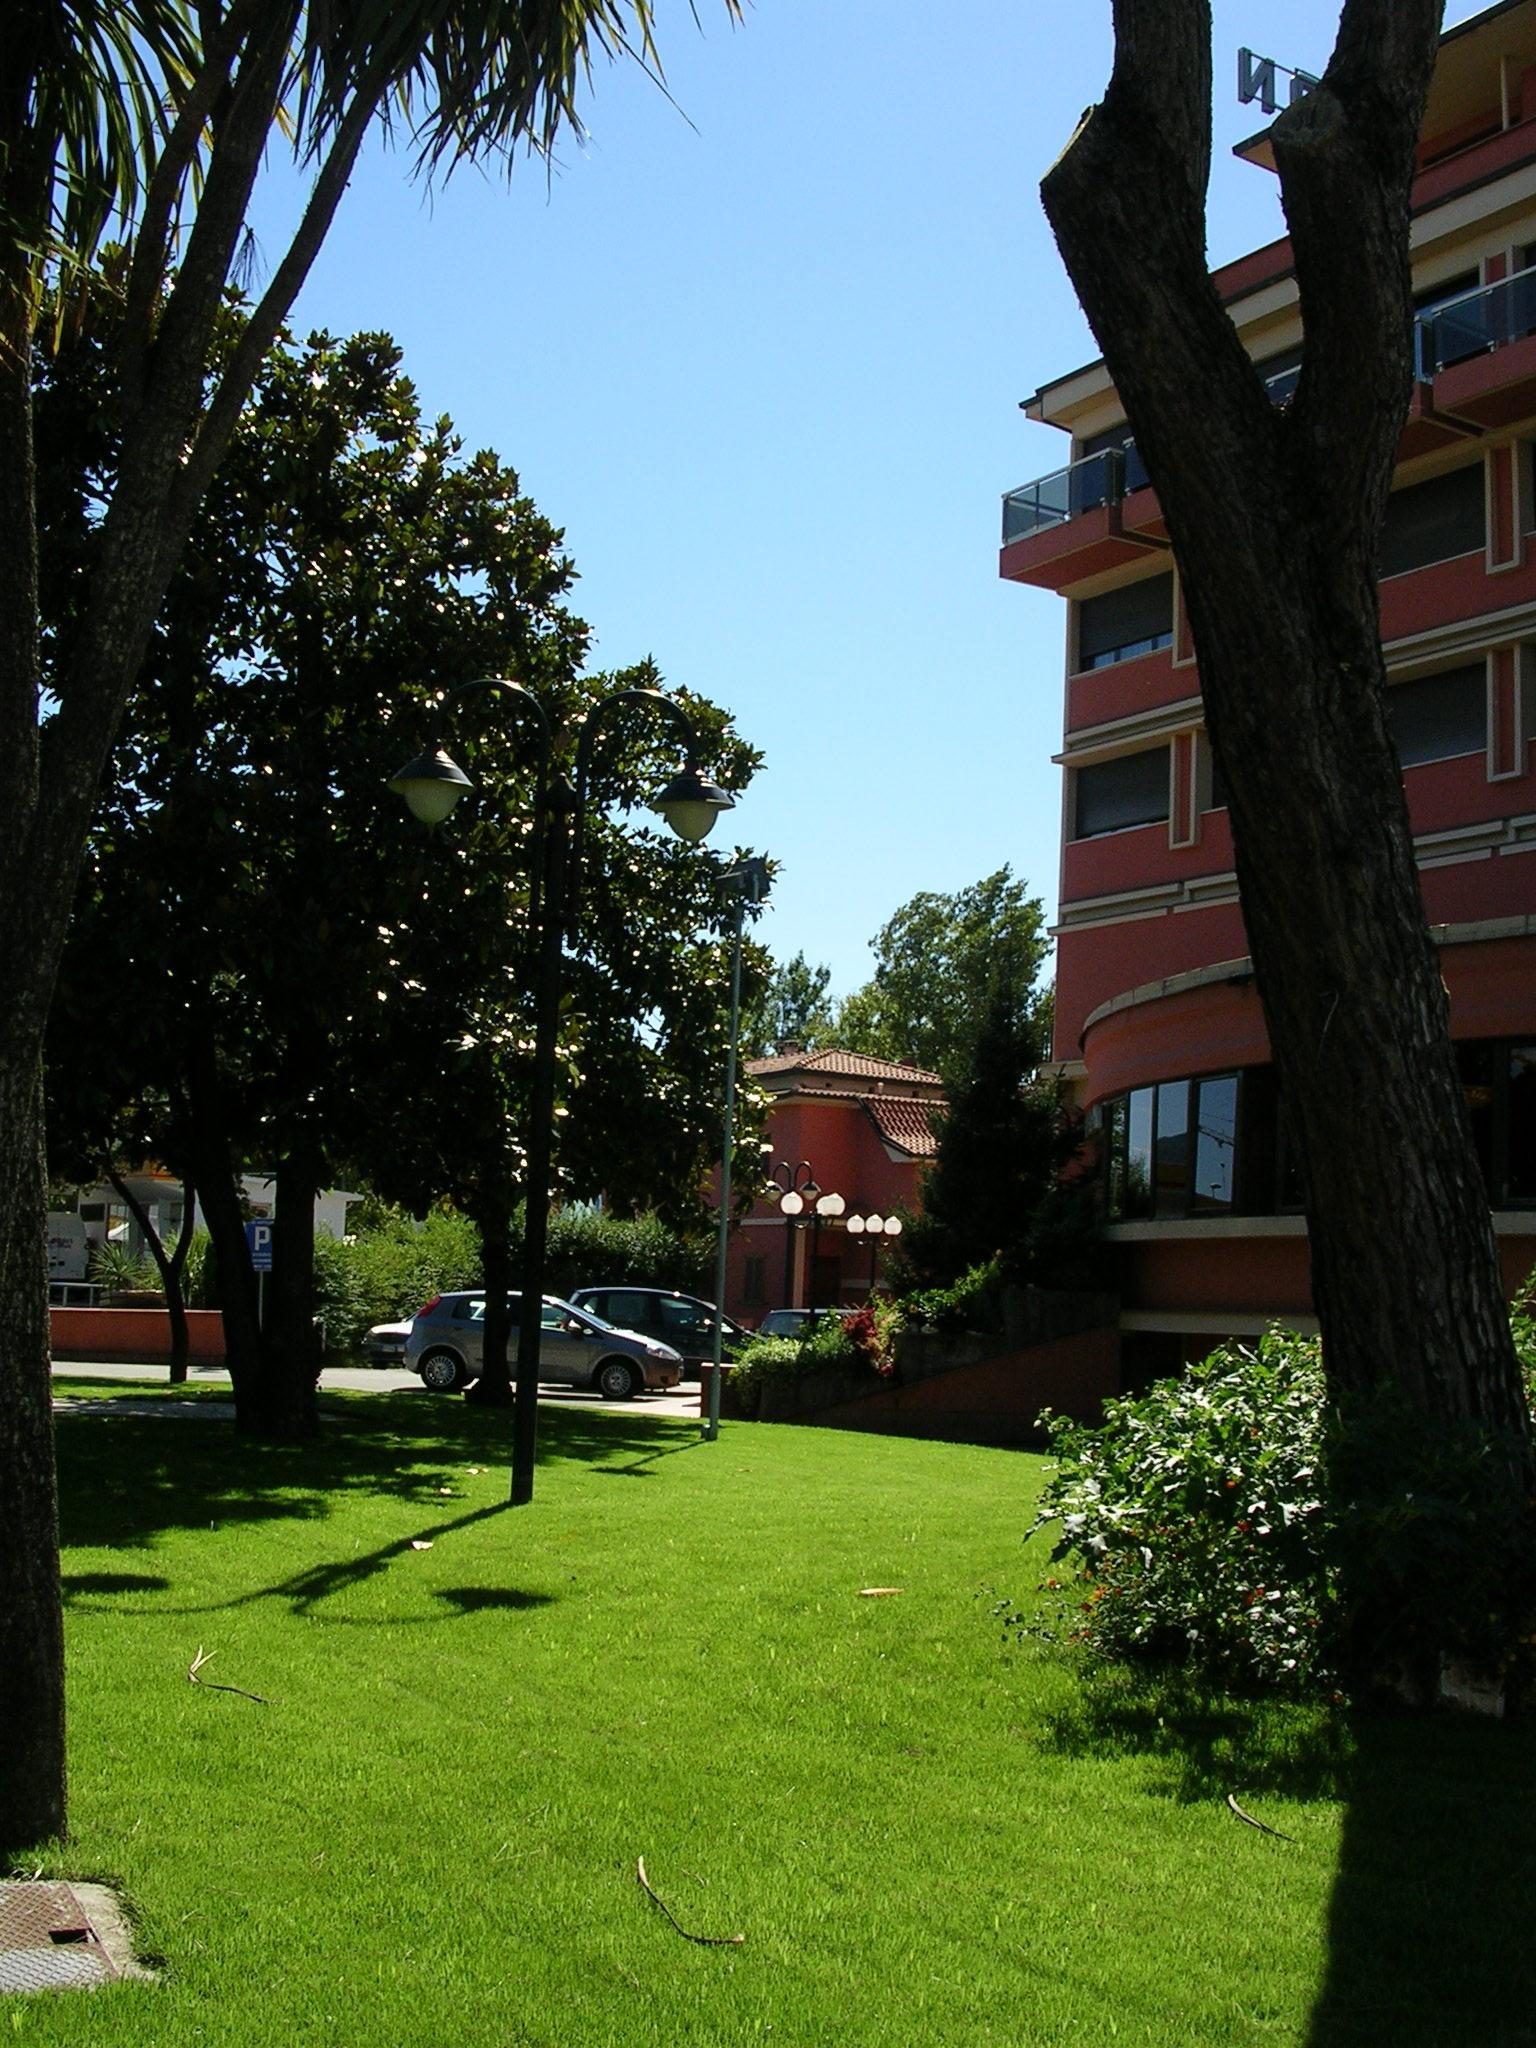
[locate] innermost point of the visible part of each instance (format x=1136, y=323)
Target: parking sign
x=258, y=1237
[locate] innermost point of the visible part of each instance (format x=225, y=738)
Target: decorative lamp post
x=874, y=1227
x=431, y=785
x=791, y=1191
x=748, y=880
x=828, y=1209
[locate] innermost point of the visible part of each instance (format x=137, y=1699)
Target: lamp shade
x=854, y=1226
x=830, y=1205
x=893, y=1226
x=791, y=1202
x=874, y=1223
x=431, y=784
x=690, y=803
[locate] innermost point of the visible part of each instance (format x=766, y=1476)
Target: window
x=754, y=1283
x=1520, y=1175
x=1221, y=1145
x=1133, y=469
x=1435, y=718
x=1138, y=1157
x=1281, y=373
x=1433, y=521
x=1135, y=619
x=1172, y=1149
x=1215, y=1145
x=1112, y=795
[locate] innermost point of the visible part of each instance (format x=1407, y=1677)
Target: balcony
x=1098, y=513
x=1475, y=356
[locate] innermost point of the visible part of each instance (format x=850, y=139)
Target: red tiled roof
x=850, y=1065
x=903, y=1121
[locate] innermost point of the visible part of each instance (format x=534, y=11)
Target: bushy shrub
x=974, y=1302
x=1194, y=1517
x=864, y=1342
x=385, y=1275
x=1229, y=1521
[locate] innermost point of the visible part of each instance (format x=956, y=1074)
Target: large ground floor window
x=1217, y=1144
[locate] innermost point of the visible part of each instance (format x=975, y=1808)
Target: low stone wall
x=123, y=1336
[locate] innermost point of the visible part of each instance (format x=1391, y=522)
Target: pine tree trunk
x=1274, y=516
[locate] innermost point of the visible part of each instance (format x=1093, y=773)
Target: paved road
x=682, y=1401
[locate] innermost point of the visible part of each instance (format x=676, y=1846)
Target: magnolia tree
x=147, y=125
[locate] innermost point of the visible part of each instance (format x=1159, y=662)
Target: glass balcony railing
x=1065, y=494
x=1083, y=486
x=1474, y=323
x=1100, y=479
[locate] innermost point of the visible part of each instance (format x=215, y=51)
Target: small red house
x=848, y=1135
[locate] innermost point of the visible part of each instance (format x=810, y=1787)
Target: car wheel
x=617, y=1380
x=442, y=1371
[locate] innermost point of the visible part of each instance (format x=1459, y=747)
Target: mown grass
x=430, y=1834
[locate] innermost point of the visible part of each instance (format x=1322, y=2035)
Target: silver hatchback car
x=576, y=1349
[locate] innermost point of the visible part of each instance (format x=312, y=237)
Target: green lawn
x=430, y=1834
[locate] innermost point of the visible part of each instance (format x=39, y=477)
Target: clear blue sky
x=761, y=358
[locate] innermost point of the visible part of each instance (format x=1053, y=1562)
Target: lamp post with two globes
x=431, y=785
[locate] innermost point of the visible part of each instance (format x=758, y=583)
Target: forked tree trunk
x=1274, y=516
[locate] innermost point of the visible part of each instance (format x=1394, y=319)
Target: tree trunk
x=1274, y=515
x=213, y=1169
x=290, y=1347
x=32, y=1759
x=169, y=1265
x=494, y=1386
x=32, y=1777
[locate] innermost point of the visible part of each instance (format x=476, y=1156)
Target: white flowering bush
x=1193, y=1519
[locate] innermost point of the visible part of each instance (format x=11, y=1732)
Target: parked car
x=576, y=1349
x=797, y=1322
x=385, y=1343
x=681, y=1320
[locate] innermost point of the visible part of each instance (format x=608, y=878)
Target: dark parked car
x=576, y=1348
x=385, y=1343
x=796, y=1322
x=681, y=1320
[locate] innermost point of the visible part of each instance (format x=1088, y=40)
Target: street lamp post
x=431, y=785
x=874, y=1227
x=792, y=1194
x=748, y=881
x=828, y=1209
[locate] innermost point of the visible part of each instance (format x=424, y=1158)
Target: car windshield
x=557, y=1311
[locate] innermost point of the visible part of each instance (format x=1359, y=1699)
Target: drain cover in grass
x=47, y=1942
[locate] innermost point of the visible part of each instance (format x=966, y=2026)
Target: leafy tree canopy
x=943, y=963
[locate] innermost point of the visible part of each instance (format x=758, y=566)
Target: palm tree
x=132, y=133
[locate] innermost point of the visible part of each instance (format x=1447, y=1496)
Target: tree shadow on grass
x=483, y=1599
x=1204, y=1745
x=1434, y=1898
x=126, y=1480
x=1429, y=1941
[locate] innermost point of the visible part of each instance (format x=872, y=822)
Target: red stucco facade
x=860, y=1129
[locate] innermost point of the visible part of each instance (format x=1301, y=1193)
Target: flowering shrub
x=1195, y=1513
x=1226, y=1520
x=862, y=1342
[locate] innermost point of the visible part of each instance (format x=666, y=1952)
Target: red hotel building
x=1158, y=1026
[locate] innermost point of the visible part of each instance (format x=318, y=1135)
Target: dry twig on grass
x=194, y=1674
x=1263, y=1827
x=704, y=1940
